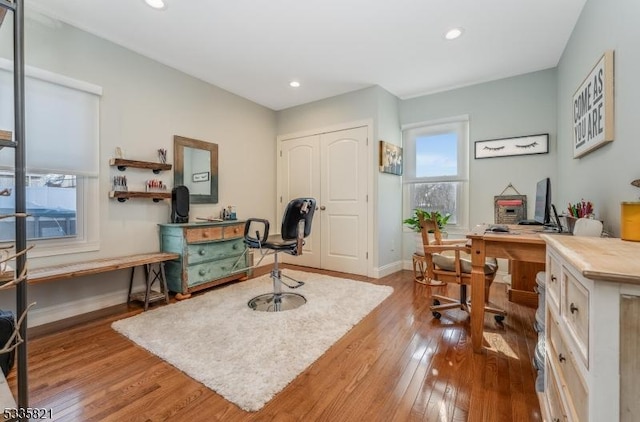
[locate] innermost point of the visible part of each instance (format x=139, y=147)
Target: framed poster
x=200, y=177
x=592, y=108
x=506, y=147
x=390, y=158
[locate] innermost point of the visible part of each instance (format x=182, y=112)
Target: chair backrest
x=430, y=226
x=299, y=210
x=587, y=227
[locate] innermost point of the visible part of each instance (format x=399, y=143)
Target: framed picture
x=592, y=108
x=200, y=177
x=506, y=147
x=390, y=158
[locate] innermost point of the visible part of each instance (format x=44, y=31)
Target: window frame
x=458, y=125
x=87, y=224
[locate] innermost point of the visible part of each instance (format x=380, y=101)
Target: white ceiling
x=255, y=48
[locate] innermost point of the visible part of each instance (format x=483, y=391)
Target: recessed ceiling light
x=294, y=84
x=156, y=4
x=454, y=33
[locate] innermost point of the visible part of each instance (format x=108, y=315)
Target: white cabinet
x=592, y=330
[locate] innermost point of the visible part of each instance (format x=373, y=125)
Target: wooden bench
x=97, y=266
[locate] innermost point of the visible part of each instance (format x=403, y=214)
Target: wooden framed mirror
x=196, y=167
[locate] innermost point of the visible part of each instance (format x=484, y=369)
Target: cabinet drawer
x=576, y=313
x=552, y=394
x=234, y=231
x=570, y=381
x=203, y=234
x=552, y=287
x=207, y=271
x=202, y=252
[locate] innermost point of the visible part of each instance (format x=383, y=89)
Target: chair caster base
x=498, y=318
x=272, y=302
x=436, y=315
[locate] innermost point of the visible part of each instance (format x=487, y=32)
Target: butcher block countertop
x=599, y=258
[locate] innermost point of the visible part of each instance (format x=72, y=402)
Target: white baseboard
x=40, y=316
x=387, y=269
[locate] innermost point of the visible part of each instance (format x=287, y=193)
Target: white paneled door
x=331, y=167
x=300, y=177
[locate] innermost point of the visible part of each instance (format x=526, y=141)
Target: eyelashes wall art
x=507, y=147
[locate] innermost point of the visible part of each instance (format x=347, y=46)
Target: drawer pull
x=554, y=278
x=202, y=272
x=235, y=246
x=201, y=252
x=556, y=419
x=205, y=234
x=573, y=308
x=561, y=358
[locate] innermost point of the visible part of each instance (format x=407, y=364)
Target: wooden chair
x=448, y=261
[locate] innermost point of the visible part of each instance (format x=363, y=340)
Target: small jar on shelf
x=155, y=185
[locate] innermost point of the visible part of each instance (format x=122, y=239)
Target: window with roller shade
x=62, y=157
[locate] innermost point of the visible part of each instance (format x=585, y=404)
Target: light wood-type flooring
x=397, y=364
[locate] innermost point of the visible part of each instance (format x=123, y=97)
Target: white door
x=300, y=177
x=331, y=167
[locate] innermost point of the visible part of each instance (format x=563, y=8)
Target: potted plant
x=414, y=224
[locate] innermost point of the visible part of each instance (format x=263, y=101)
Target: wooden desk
x=523, y=282
x=522, y=243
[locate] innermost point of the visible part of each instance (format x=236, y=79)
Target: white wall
x=380, y=107
x=144, y=104
x=388, y=213
x=603, y=176
x=517, y=106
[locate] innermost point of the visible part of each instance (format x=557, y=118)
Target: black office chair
x=296, y=226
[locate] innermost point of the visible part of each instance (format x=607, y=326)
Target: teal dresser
x=208, y=252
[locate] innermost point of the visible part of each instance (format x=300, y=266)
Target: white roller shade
x=61, y=118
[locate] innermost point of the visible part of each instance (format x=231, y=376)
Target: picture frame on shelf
x=508, y=147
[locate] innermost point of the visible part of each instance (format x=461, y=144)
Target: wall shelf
x=122, y=165
x=6, y=135
x=122, y=196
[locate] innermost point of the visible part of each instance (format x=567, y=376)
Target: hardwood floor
x=397, y=364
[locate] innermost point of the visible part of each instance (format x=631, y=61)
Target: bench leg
x=133, y=271
x=150, y=275
x=163, y=281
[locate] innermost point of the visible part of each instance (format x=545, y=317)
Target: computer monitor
x=542, y=213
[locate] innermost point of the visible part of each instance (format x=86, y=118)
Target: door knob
x=322, y=208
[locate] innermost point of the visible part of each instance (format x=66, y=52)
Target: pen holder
x=570, y=223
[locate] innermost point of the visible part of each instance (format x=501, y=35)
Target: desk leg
x=477, y=293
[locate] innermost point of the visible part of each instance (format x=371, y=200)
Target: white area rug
x=248, y=356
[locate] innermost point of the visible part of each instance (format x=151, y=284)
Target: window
x=436, y=169
x=51, y=204
x=62, y=161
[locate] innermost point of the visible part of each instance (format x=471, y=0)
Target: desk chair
x=454, y=267
x=296, y=226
